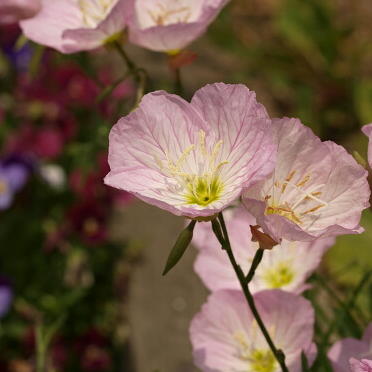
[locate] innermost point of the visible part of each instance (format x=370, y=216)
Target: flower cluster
x=73, y=26
x=276, y=181
x=284, y=193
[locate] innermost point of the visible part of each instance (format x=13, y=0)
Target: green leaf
x=180, y=246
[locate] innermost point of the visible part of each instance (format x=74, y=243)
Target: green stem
x=178, y=85
x=140, y=75
x=131, y=65
x=44, y=336
x=243, y=280
x=41, y=349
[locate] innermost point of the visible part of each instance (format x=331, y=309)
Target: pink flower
x=12, y=11
x=363, y=365
x=286, y=266
x=192, y=159
x=75, y=25
x=225, y=336
x=316, y=190
x=367, y=130
x=170, y=25
x=341, y=352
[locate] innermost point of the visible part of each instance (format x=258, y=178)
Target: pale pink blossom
x=75, y=25
x=367, y=130
x=12, y=11
x=341, y=352
x=225, y=336
x=363, y=365
x=170, y=25
x=316, y=190
x=286, y=266
x=192, y=159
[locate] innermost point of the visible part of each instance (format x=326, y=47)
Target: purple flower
x=6, y=296
x=12, y=178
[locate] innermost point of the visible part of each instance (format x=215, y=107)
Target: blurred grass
x=352, y=255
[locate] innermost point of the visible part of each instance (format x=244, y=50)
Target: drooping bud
x=180, y=246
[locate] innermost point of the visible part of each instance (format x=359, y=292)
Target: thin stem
x=131, y=65
x=278, y=354
x=178, y=86
x=140, y=75
x=44, y=336
x=40, y=349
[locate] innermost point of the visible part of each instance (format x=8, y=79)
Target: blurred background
x=81, y=263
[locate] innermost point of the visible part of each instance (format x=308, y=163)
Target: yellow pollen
x=279, y=275
x=288, y=179
x=275, y=205
x=303, y=181
x=284, y=211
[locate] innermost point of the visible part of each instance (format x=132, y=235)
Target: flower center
x=279, y=276
x=294, y=200
x=95, y=11
x=260, y=360
x=203, y=190
x=198, y=183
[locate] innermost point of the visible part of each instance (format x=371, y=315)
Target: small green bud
x=180, y=246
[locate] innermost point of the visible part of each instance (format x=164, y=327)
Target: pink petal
x=12, y=11
x=174, y=36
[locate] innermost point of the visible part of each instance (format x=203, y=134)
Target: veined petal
x=316, y=190
x=166, y=151
x=168, y=25
x=236, y=116
x=286, y=266
x=225, y=337
x=75, y=25
x=48, y=25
